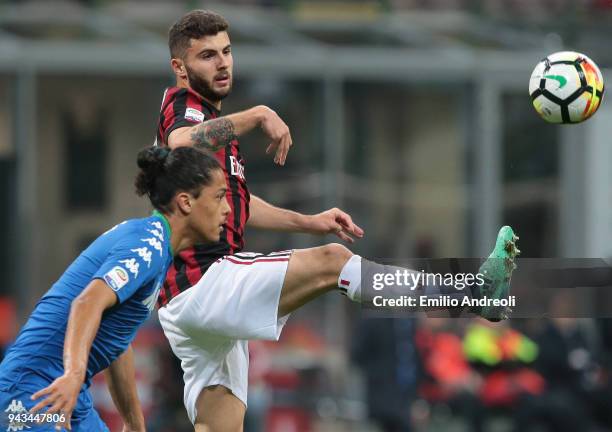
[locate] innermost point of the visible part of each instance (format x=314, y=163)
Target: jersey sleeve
x=183, y=110
x=134, y=262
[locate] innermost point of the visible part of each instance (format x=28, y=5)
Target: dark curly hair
x=164, y=172
x=194, y=25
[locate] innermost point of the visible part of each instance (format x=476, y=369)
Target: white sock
x=349, y=281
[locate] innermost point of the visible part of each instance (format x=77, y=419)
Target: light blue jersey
x=132, y=258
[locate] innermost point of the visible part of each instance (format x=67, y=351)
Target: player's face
x=209, y=65
x=211, y=209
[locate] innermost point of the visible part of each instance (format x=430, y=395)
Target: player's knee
x=336, y=250
x=334, y=256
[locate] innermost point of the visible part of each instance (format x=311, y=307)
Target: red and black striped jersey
x=182, y=107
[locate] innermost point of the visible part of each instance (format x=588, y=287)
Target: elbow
x=80, y=302
x=88, y=304
x=179, y=138
x=84, y=309
x=95, y=298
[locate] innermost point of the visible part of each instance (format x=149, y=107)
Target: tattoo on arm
x=213, y=134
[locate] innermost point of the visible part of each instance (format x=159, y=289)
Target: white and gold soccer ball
x=566, y=87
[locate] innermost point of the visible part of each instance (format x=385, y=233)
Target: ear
x=178, y=66
x=183, y=202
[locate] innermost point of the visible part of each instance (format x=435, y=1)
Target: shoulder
x=182, y=107
x=181, y=96
x=171, y=93
x=149, y=226
x=141, y=240
x=150, y=237
x=133, y=230
x=122, y=228
x=188, y=103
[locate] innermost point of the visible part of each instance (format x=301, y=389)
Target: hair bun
x=152, y=159
x=151, y=162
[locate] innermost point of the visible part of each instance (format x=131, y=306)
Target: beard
x=204, y=88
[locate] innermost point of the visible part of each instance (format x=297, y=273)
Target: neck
x=182, y=83
x=180, y=238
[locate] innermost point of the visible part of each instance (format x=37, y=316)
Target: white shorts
x=208, y=325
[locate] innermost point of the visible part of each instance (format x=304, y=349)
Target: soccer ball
x=566, y=87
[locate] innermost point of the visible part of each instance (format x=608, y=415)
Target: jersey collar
x=205, y=102
x=167, y=226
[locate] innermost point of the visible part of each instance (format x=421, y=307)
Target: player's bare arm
x=214, y=134
x=83, y=323
x=333, y=221
x=120, y=378
x=217, y=133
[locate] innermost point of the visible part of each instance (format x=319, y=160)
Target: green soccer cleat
x=497, y=271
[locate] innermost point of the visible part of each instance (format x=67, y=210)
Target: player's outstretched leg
x=313, y=272
x=497, y=270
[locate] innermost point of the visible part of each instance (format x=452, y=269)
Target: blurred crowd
x=524, y=375
x=417, y=375
x=400, y=374
x=541, y=375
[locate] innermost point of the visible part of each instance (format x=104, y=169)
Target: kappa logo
x=194, y=115
x=117, y=278
x=154, y=243
x=157, y=225
x=16, y=408
x=143, y=253
x=131, y=265
x=157, y=234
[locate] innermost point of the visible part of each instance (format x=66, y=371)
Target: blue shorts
x=16, y=402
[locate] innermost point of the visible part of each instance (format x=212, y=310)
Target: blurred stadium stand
x=413, y=115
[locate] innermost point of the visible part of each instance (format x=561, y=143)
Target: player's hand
x=335, y=221
x=61, y=397
x=276, y=129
